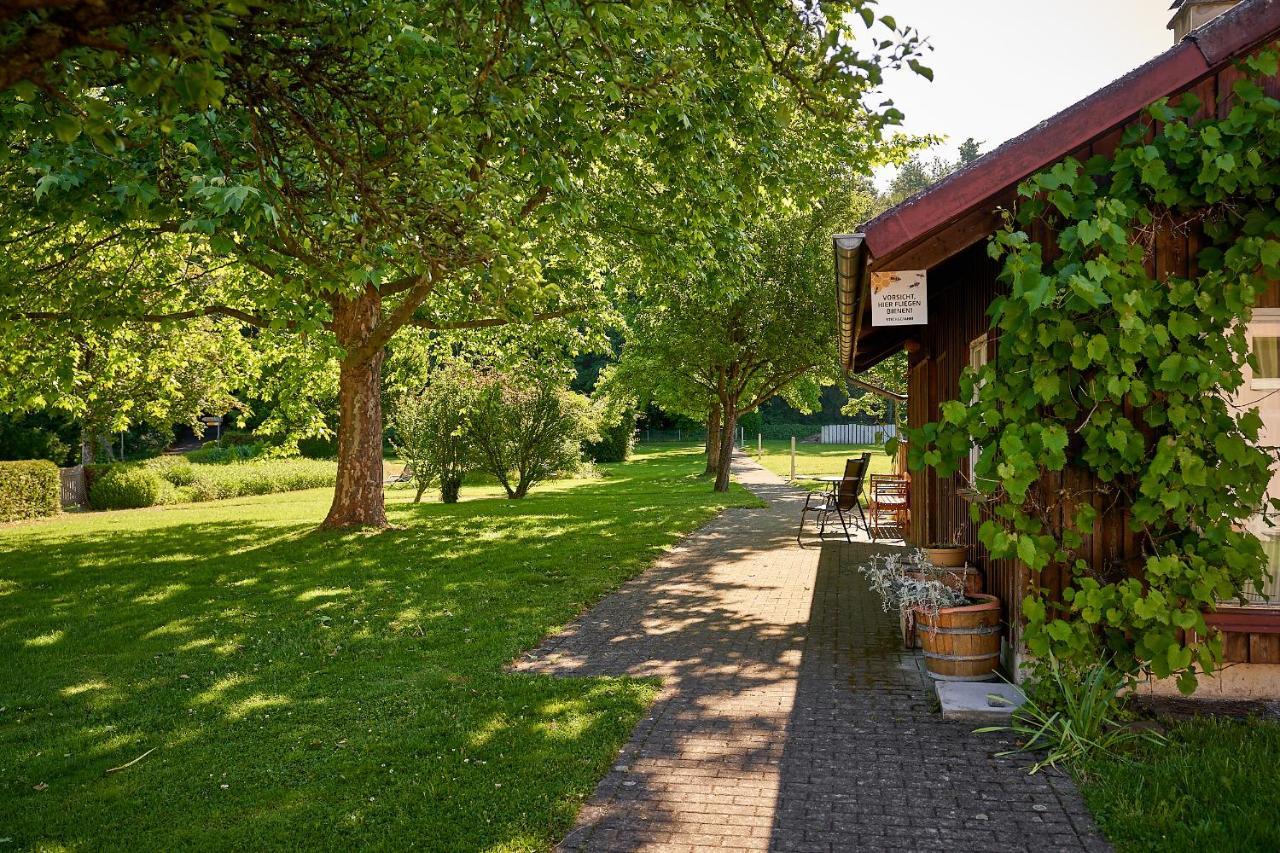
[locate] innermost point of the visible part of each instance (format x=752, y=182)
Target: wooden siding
x=961, y=289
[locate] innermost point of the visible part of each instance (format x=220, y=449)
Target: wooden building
x=945, y=229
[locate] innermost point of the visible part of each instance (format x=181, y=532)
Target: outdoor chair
x=405, y=476
x=889, y=505
x=840, y=501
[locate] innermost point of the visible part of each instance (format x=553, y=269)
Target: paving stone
x=790, y=718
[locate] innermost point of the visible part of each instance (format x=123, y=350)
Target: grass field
x=818, y=459
x=1215, y=787
x=264, y=685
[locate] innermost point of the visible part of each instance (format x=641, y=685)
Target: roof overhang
x=964, y=208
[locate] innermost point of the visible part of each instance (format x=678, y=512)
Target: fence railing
x=73, y=486
x=858, y=433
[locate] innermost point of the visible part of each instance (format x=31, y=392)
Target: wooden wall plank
x=1264, y=648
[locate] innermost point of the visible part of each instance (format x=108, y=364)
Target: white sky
x=1002, y=66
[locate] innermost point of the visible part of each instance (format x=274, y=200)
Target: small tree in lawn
x=526, y=428
x=431, y=433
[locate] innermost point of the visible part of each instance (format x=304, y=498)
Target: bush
x=431, y=432
x=126, y=487
x=616, y=441
x=526, y=428
x=212, y=454
x=29, y=489
x=176, y=470
x=161, y=481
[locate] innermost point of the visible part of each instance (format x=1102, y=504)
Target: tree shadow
x=315, y=689
x=870, y=763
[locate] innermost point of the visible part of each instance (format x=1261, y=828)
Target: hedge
x=126, y=487
x=170, y=479
x=29, y=489
x=775, y=432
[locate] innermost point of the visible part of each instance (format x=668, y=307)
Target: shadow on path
x=790, y=718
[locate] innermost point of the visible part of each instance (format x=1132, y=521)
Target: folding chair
x=840, y=501
x=889, y=501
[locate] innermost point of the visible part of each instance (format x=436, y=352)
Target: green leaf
x=66, y=127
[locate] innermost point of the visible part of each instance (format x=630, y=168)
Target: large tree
x=754, y=323
x=346, y=170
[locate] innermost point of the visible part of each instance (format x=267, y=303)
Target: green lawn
x=319, y=690
x=818, y=458
x=1215, y=787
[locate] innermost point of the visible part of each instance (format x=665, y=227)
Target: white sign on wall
x=900, y=298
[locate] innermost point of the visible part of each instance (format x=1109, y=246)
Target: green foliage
x=1126, y=378
x=525, y=428
x=1073, y=715
x=431, y=431
x=212, y=454
x=778, y=432
x=29, y=489
x=301, y=164
x=126, y=487
x=617, y=439
x=176, y=480
x=18, y=441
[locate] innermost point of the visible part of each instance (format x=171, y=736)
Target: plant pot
x=946, y=556
x=966, y=579
x=961, y=643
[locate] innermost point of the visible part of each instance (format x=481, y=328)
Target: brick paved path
x=790, y=717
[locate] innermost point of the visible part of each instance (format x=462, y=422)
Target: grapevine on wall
x=1127, y=378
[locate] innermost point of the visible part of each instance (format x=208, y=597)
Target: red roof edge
x=1249, y=24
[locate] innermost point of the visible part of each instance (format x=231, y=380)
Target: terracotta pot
x=966, y=579
x=961, y=643
x=946, y=556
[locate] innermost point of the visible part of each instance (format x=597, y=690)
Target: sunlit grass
x=818, y=459
x=1216, y=786
x=319, y=690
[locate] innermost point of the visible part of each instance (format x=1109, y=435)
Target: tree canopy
x=346, y=170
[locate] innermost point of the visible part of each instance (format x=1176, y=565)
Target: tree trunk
x=713, y=440
x=86, y=447
x=450, y=485
x=357, y=496
x=728, y=423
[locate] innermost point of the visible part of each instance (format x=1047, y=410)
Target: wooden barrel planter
x=966, y=579
x=962, y=643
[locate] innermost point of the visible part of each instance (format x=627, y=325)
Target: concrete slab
x=973, y=700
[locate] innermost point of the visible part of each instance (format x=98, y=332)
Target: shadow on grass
x=318, y=689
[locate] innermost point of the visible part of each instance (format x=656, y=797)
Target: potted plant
x=947, y=555
x=959, y=631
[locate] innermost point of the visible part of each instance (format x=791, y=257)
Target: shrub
x=177, y=470
x=212, y=454
x=260, y=477
x=29, y=489
x=126, y=487
x=1075, y=716
x=616, y=441
x=431, y=432
x=526, y=428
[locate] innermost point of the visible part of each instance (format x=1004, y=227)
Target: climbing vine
x=1112, y=386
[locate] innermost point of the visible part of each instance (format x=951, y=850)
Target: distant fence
x=74, y=489
x=858, y=433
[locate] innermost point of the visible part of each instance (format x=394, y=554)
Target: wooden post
x=793, y=458
x=759, y=444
